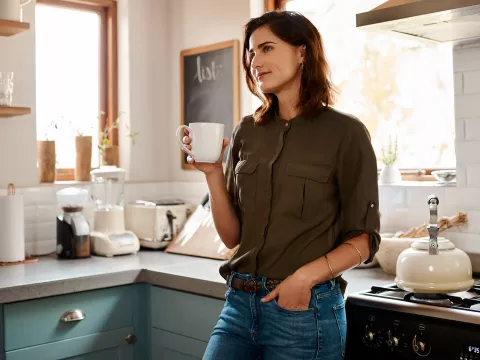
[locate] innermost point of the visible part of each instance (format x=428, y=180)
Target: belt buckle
x=251, y=285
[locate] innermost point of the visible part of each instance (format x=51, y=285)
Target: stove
x=387, y=322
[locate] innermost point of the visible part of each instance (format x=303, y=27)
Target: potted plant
x=46, y=157
x=109, y=153
x=390, y=174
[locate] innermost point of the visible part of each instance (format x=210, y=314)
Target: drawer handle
x=130, y=339
x=72, y=315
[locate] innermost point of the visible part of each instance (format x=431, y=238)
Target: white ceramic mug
x=207, y=140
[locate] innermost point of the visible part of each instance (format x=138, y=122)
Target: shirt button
x=372, y=205
x=286, y=124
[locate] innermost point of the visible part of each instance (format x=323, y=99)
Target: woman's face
x=275, y=64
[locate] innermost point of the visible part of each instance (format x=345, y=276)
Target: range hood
x=437, y=20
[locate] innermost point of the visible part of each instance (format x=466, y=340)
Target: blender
x=73, y=231
x=109, y=236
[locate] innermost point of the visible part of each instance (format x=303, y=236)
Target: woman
x=300, y=198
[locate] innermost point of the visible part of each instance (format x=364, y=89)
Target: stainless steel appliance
x=391, y=323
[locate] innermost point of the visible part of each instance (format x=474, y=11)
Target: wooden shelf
x=9, y=28
x=9, y=111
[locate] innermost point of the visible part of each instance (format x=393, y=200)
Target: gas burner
x=433, y=299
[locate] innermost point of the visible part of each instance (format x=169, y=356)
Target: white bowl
x=445, y=176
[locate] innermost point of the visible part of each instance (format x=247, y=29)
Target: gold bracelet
x=329, y=266
x=358, y=251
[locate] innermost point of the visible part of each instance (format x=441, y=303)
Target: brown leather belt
x=252, y=285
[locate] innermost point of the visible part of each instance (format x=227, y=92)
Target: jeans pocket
x=341, y=318
x=309, y=310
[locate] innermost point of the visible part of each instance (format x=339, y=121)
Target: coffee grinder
x=73, y=231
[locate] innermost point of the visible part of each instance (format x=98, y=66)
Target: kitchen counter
x=50, y=276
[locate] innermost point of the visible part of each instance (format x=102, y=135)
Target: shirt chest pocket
x=246, y=182
x=309, y=193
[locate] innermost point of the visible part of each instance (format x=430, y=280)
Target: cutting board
x=199, y=237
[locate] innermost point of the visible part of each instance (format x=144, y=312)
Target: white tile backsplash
x=471, y=83
x=466, y=57
x=472, y=129
x=468, y=151
x=467, y=106
x=473, y=175
x=41, y=209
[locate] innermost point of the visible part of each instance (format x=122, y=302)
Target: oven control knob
x=392, y=340
x=420, y=345
x=369, y=336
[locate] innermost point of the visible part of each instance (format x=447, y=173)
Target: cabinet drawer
x=107, y=345
x=169, y=346
x=35, y=322
x=185, y=314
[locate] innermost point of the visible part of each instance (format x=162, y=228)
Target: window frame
x=407, y=174
x=108, y=61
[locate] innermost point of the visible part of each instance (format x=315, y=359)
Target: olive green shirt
x=300, y=188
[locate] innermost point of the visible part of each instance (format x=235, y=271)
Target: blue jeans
x=248, y=329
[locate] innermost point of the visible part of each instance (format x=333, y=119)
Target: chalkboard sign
x=210, y=87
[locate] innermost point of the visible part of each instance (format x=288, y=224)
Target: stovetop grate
x=444, y=300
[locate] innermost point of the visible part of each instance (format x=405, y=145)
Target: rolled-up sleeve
x=358, y=187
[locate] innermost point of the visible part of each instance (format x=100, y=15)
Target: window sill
x=418, y=184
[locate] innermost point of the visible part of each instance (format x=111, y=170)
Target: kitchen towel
x=12, y=228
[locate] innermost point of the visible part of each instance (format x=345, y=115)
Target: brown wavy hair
x=316, y=90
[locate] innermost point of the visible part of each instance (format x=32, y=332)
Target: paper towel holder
x=11, y=189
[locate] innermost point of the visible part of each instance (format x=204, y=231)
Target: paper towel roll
x=12, y=229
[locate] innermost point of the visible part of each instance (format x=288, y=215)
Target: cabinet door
x=170, y=346
x=109, y=345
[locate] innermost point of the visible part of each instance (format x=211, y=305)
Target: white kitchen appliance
x=156, y=222
x=109, y=236
x=433, y=265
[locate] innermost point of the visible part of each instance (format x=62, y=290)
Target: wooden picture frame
x=210, y=87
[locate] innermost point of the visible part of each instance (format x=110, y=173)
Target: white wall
x=144, y=96
x=196, y=23
x=17, y=134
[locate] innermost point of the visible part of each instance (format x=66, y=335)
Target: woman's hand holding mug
x=205, y=145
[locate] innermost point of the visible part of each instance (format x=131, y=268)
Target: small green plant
x=50, y=131
x=389, y=153
x=104, y=135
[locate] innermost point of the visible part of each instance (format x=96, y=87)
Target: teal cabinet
x=164, y=324
x=185, y=314
x=170, y=346
x=109, y=345
x=35, y=322
x=2, y=348
x=181, y=323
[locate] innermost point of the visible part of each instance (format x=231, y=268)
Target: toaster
x=156, y=222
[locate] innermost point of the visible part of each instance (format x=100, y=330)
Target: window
x=399, y=86
x=75, y=75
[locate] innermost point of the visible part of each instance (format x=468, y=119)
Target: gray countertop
x=50, y=276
